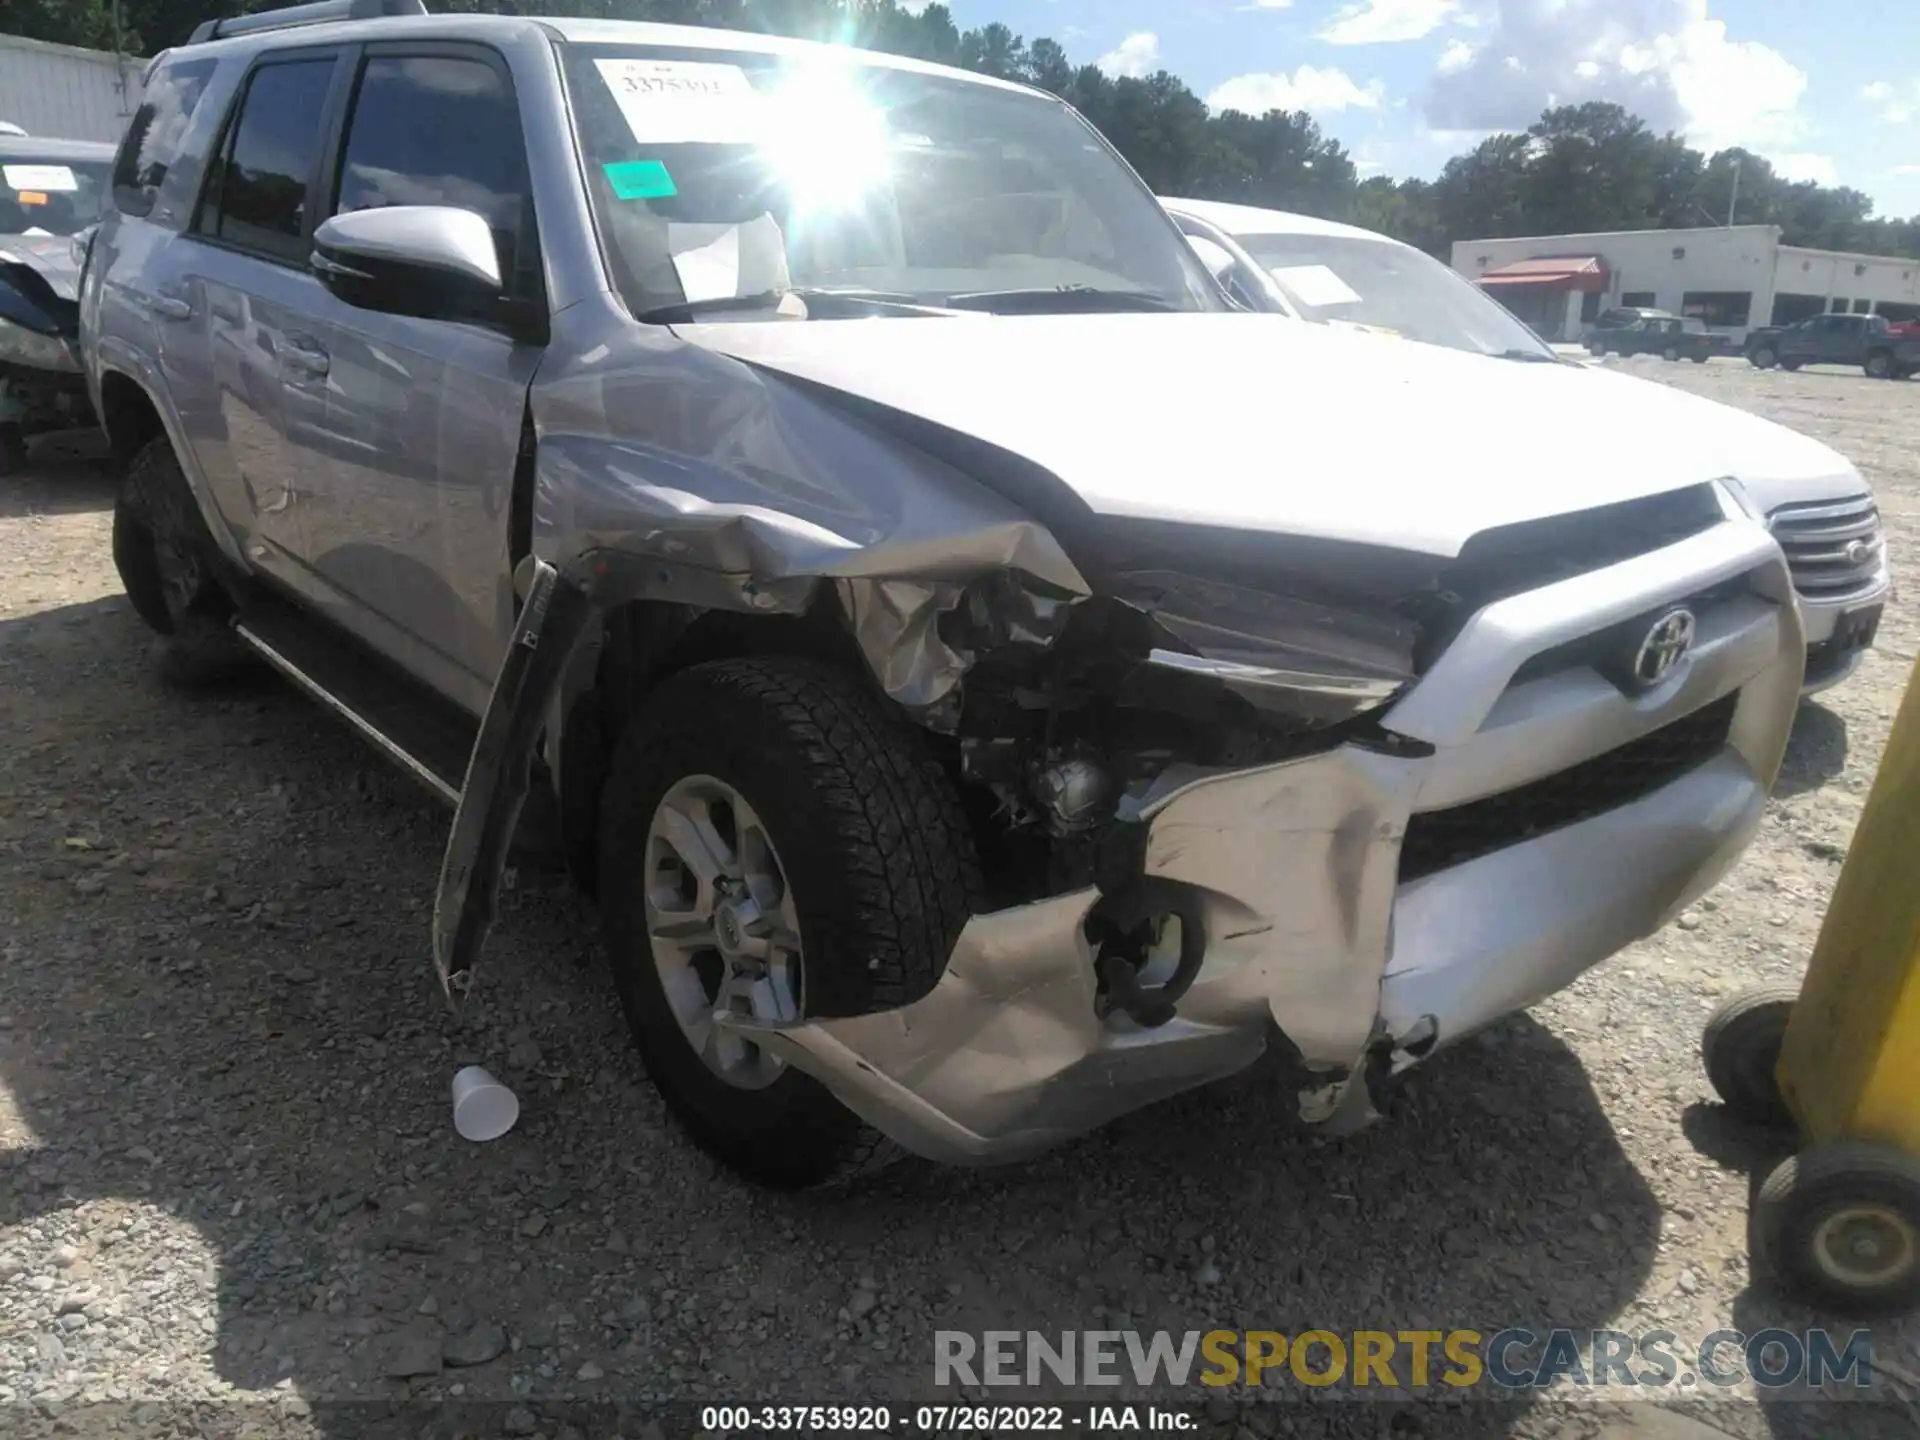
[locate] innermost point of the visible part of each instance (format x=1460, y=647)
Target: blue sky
x=1828, y=92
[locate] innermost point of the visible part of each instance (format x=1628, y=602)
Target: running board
x=416, y=728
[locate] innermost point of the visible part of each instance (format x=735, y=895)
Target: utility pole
x=1734, y=203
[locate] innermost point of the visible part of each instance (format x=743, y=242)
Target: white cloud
x=1662, y=59
x=1268, y=5
x=1308, y=88
x=1897, y=104
x=1381, y=22
x=913, y=7
x=1457, y=56
x=1137, y=55
x=1906, y=169
x=1802, y=166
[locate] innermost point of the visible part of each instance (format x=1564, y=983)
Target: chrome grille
x=1834, y=550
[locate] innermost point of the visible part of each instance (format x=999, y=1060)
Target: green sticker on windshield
x=639, y=179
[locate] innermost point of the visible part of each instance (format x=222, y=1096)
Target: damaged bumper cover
x=1311, y=927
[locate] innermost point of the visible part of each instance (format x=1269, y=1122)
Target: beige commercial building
x=1733, y=277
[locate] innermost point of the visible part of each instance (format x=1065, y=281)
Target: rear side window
x=440, y=130
x=258, y=199
x=154, y=134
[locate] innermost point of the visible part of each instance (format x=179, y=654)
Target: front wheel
x=1838, y=1228
x=1879, y=366
x=1671, y=354
x=1764, y=357
x=775, y=843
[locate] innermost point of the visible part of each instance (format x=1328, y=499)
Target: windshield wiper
x=1528, y=357
x=817, y=300
x=1072, y=299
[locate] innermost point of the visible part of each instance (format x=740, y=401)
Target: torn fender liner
x=1294, y=867
x=896, y=623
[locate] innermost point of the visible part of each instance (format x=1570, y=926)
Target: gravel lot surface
x=230, y=1191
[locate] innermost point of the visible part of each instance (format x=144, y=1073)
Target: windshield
x=1344, y=279
x=717, y=175
x=51, y=197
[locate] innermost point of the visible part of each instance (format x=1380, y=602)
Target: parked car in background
x=1621, y=317
x=51, y=191
x=1671, y=337
x=1825, y=520
x=1884, y=350
x=1354, y=279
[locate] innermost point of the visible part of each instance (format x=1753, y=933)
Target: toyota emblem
x=1858, y=551
x=1666, y=645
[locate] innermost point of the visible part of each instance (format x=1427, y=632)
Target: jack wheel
x=1741, y=1050
x=1838, y=1228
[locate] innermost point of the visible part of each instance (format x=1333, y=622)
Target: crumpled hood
x=1265, y=423
x=49, y=256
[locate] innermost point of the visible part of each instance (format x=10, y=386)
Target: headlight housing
x=32, y=350
x=1314, y=662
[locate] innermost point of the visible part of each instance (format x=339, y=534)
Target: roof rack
x=292, y=15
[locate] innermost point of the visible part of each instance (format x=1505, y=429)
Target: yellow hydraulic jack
x=1838, y=1225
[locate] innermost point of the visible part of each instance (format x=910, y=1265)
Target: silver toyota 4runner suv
x=988, y=683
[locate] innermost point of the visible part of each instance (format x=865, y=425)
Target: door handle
x=302, y=354
x=170, y=307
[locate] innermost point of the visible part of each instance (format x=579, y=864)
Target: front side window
x=1376, y=284
x=438, y=130
x=154, y=134
x=46, y=195
x=258, y=199
x=716, y=175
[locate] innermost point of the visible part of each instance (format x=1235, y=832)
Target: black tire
x=13, y=450
x=1671, y=354
x=1764, y=357
x=1838, y=1228
x=1699, y=359
x=1792, y=367
x=1741, y=1050
x=880, y=865
x=1879, y=366
x=168, y=566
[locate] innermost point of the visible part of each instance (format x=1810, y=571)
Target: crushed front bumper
x=1296, y=870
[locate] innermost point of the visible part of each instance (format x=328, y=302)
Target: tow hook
x=1123, y=928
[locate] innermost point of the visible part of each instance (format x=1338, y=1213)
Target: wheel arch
x=128, y=413
x=637, y=646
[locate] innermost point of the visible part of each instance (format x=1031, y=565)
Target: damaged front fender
x=663, y=473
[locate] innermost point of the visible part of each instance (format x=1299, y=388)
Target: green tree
x=1578, y=168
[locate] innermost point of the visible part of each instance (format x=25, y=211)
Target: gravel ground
x=230, y=1191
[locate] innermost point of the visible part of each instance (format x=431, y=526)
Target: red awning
x=1585, y=273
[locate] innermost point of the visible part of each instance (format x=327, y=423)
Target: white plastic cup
x=483, y=1108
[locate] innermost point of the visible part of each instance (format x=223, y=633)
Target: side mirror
x=430, y=261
